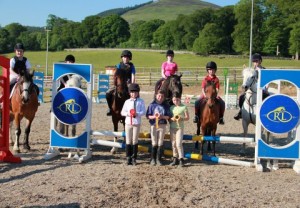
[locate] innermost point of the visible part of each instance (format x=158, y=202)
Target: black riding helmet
x=70, y=58
x=19, y=46
x=134, y=87
x=211, y=65
x=126, y=53
x=256, y=57
x=170, y=53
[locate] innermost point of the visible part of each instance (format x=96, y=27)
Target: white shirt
x=140, y=110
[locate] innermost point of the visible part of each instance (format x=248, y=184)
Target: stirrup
x=238, y=116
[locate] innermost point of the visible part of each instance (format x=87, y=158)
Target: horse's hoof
x=16, y=151
x=26, y=147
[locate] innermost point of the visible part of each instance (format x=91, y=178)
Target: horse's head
x=26, y=85
x=74, y=81
x=249, y=79
x=120, y=82
x=175, y=85
x=210, y=93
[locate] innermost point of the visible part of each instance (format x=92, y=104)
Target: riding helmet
x=211, y=65
x=170, y=53
x=134, y=87
x=70, y=58
x=126, y=53
x=256, y=57
x=19, y=46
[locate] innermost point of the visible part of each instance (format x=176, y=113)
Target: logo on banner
x=279, y=114
x=70, y=105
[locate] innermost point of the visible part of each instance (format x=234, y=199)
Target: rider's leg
x=196, y=117
x=241, y=101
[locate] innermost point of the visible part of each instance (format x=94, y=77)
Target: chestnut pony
x=24, y=104
x=209, y=114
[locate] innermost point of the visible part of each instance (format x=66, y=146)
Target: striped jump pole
x=186, y=155
x=144, y=135
x=204, y=158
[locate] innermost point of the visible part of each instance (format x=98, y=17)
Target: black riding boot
x=174, y=162
x=128, y=150
x=159, y=155
x=181, y=162
x=238, y=116
x=134, y=153
x=153, y=155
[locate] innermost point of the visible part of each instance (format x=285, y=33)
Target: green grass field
x=145, y=61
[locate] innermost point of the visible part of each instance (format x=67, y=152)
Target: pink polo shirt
x=169, y=68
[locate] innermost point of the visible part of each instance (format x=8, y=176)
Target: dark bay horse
x=119, y=96
x=170, y=85
x=209, y=115
x=24, y=104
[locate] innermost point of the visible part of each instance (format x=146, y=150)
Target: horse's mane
x=26, y=76
x=120, y=74
x=210, y=83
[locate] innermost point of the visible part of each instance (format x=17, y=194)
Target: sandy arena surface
x=105, y=181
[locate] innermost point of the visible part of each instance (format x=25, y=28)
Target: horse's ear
x=180, y=74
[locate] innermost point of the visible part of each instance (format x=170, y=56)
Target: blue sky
x=35, y=12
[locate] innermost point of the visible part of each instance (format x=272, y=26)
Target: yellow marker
x=156, y=120
x=177, y=118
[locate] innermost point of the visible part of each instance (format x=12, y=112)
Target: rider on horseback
x=211, y=68
x=18, y=64
x=256, y=63
x=129, y=68
x=168, y=68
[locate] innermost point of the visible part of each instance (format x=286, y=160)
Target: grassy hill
x=163, y=9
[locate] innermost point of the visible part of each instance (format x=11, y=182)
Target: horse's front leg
x=245, y=128
x=198, y=133
x=73, y=130
x=26, y=135
x=115, y=149
x=203, y=141
x=214, y=142
x=17, y=135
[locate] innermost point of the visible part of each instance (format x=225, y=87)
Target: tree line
x=276, y=31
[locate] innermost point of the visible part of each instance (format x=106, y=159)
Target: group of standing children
x=159, y=113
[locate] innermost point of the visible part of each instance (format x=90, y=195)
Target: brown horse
x=209, y=115
x=24, y=104
x=119, y=97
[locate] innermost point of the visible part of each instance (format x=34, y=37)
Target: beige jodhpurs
x=132, y=133
x=176, y=136
x=158, y=134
